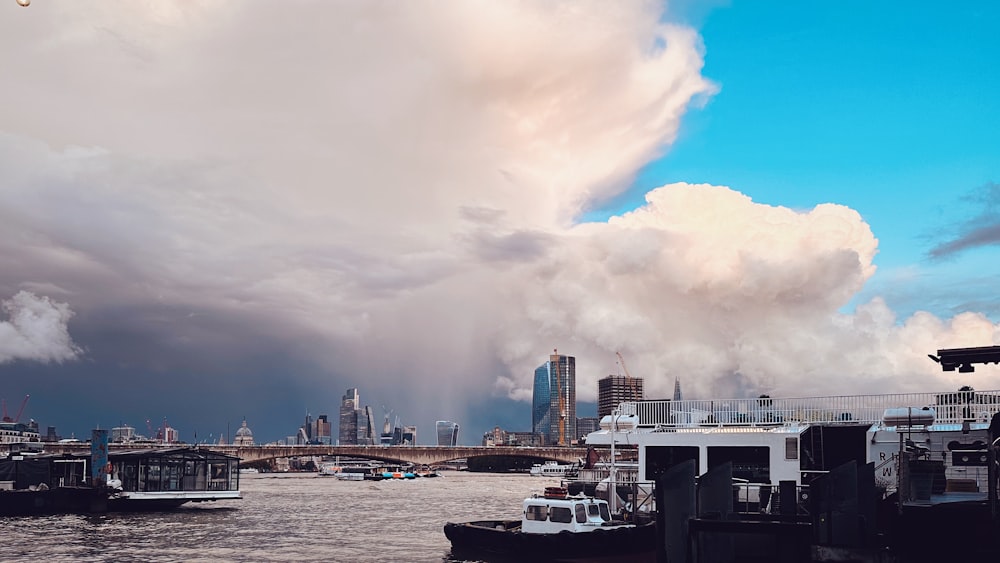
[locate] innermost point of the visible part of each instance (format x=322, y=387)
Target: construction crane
x=562, y=397
x=20, y=411
x=629, y=380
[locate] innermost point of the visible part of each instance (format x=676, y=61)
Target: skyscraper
x=447, y=433
x=348, y=431
x=562, y=399
x=368, y=436
x=587, y=424
x=616, y=389
x=540, y=401
x=321, y=430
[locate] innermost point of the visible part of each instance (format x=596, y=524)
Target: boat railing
x=923, y=469
x=597, y=474
x=954, y=407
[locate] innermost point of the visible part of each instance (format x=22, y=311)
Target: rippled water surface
x=282, y=517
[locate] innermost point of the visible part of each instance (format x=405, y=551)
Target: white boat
x=772, y=440
x=249, y=470
x=554, y=526
x=329, y=470
x=554, y=469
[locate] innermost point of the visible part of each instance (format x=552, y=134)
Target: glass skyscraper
x=540, y=401
x=348, y=432
x=447, y=433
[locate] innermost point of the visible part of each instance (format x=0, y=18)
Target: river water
x=283, y=517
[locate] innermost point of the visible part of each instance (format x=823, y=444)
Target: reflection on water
x=283, y=517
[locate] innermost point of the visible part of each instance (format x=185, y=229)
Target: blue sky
x=888, y=108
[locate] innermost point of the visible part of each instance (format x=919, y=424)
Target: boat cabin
x=556, y=511
x=771, y=440
x=170, y=477
x=24, y=472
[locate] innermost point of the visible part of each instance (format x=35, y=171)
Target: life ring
x=556, y=492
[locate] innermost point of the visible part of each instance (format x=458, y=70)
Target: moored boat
x=554, y=469
x=555, y=526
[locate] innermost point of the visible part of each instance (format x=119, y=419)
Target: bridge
x=417, y=455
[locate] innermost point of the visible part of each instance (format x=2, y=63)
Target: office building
x=562, y=400
x=119, y=434
x=409, y=437
x=541, y=400
x=500, y=437
x=366, y=435
x=167, y=435
x=306, y=429
x=51, y=435
x=321, y=431
x=613, y=390
x=348, y=431
x=447, y=433
x=587, y=424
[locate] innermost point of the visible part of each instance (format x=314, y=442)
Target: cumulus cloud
x=35, y=329
x=731, y=296
x=392, y=192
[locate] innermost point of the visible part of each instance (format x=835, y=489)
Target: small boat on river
x=555, y=526
x=554, y=469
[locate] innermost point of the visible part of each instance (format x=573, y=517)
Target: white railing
x=951, y=407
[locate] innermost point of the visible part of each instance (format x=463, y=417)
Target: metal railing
x=598, y=474
x=951, y=407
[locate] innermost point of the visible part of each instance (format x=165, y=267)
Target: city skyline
x=217, y=211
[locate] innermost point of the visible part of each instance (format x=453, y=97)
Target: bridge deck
x=419, y=455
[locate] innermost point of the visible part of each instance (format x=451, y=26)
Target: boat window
x=560, y=514
x=792, y=448
x=605, y=512
x=593, y=510
x=535, y=512
x=752, y=463
x=581, y=513
x=661, y=458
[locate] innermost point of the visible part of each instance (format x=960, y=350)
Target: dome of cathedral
x=244, y=431
x=244, y=437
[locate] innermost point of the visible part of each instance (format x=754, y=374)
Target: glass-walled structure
x=178, y=469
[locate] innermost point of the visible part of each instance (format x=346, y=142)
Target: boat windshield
x=605, y=513
x=560, y=514
x=536, y=513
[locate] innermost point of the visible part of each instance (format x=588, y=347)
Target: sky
x=212, y=211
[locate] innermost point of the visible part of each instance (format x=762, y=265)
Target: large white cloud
x=35, y=329
x=732, y=297
x=391, y=190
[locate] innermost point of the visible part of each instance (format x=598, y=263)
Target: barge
x=903, y=474
x=137, y=480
